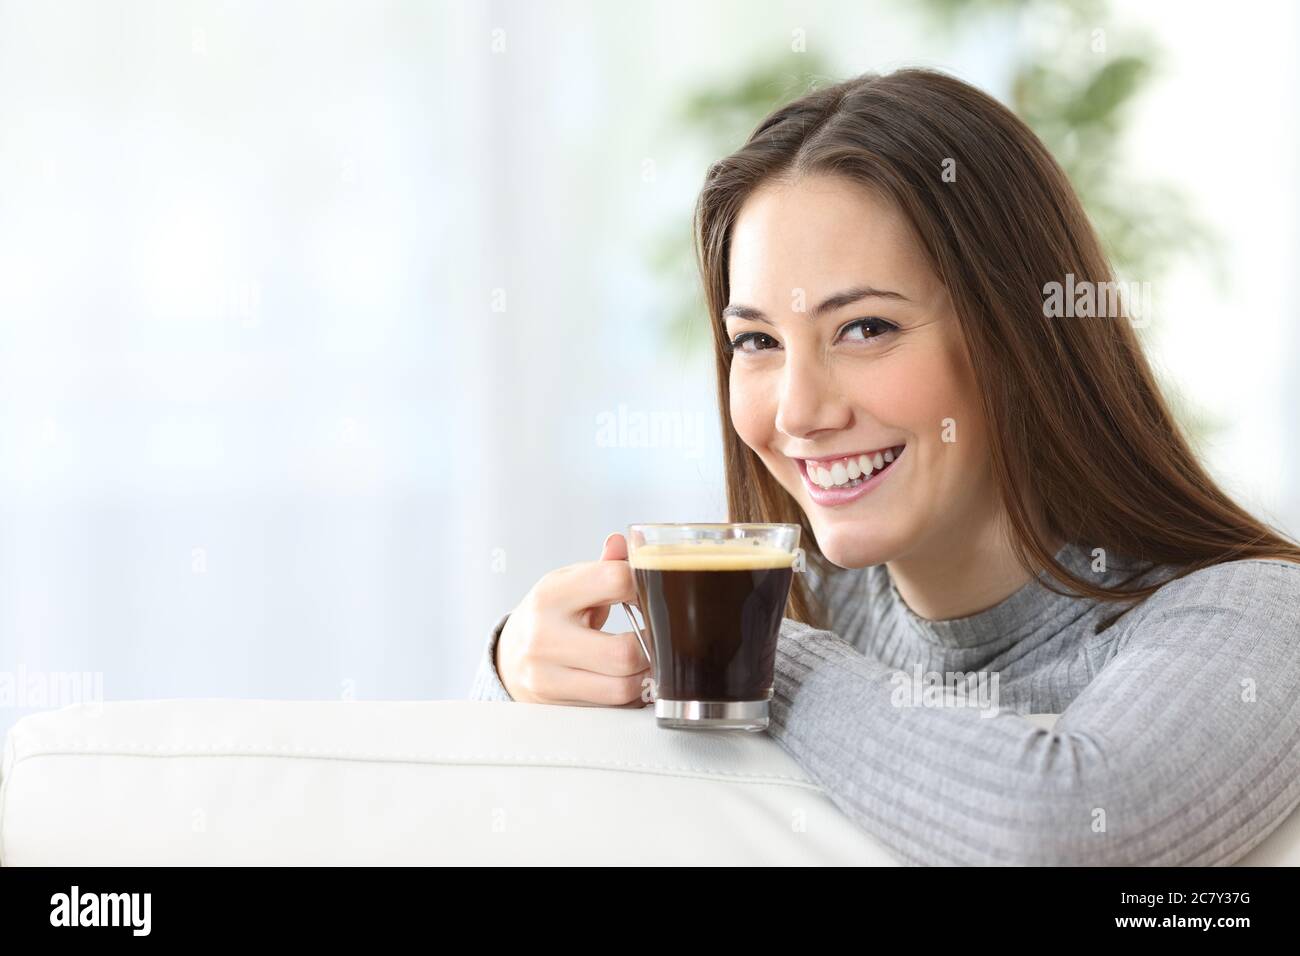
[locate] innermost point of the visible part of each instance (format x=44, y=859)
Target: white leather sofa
x=212, y=782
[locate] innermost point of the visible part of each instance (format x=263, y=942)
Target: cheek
x=961, y=395
x=752, y=413
x=910, y=392
x=930, y=395
x=952, y=430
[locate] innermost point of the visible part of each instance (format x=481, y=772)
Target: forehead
x=821, y=233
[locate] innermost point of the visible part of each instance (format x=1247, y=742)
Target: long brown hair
x=1082, y=442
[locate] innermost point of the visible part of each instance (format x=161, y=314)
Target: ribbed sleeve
x=1180, y=743
x=487, y=682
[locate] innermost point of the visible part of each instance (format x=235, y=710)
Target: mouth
x=840, y=479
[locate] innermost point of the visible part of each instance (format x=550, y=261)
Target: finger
x=594, y=618
x=614, y=655
x=591, y=584
x=614, y=549
x=573, y=685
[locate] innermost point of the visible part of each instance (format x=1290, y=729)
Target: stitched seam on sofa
x=460, y=760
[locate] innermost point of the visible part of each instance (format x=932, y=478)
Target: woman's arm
x=487, y=682
x=1184, y=748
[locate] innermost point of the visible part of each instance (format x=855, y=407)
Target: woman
x=883, y=262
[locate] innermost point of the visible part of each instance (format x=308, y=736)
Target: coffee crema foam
x=710, y=556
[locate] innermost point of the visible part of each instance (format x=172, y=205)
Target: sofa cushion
x=210, y=782
x=448, y=782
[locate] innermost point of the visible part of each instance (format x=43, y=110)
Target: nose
x=810, y=402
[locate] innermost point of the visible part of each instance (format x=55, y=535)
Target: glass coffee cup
x=712, y=597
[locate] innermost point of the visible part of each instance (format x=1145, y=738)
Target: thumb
x=615, y=548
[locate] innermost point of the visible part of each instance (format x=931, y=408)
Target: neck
x=963, y=574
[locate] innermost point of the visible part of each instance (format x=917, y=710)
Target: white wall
x=1221, y=123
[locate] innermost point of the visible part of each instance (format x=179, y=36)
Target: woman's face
x=846, y=344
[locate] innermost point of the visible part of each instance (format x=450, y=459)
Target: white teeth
x=849, y=471
x=840, y=473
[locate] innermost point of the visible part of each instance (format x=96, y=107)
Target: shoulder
x=1265, y=593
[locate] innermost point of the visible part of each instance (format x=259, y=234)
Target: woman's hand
x=552, y=649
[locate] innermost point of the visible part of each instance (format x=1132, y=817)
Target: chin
x=852, y=545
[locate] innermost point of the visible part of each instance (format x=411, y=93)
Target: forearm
x=1122, y=780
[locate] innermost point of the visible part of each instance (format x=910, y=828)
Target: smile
x=836, y=481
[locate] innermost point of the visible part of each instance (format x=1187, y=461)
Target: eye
x=869, y=329
x=861, y=330
x=762, y=342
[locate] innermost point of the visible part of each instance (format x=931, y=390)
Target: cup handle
x=627, y=609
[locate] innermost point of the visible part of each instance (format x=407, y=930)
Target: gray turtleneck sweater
x=1178, y=740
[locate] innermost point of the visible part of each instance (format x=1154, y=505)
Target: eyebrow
x=838, y=301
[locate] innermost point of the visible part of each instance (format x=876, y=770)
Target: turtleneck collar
x=1022, y=613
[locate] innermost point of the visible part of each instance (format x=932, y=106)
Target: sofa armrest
x=216, y=782
x=213, y=782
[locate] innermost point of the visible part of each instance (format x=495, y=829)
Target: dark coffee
x=713, y=613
